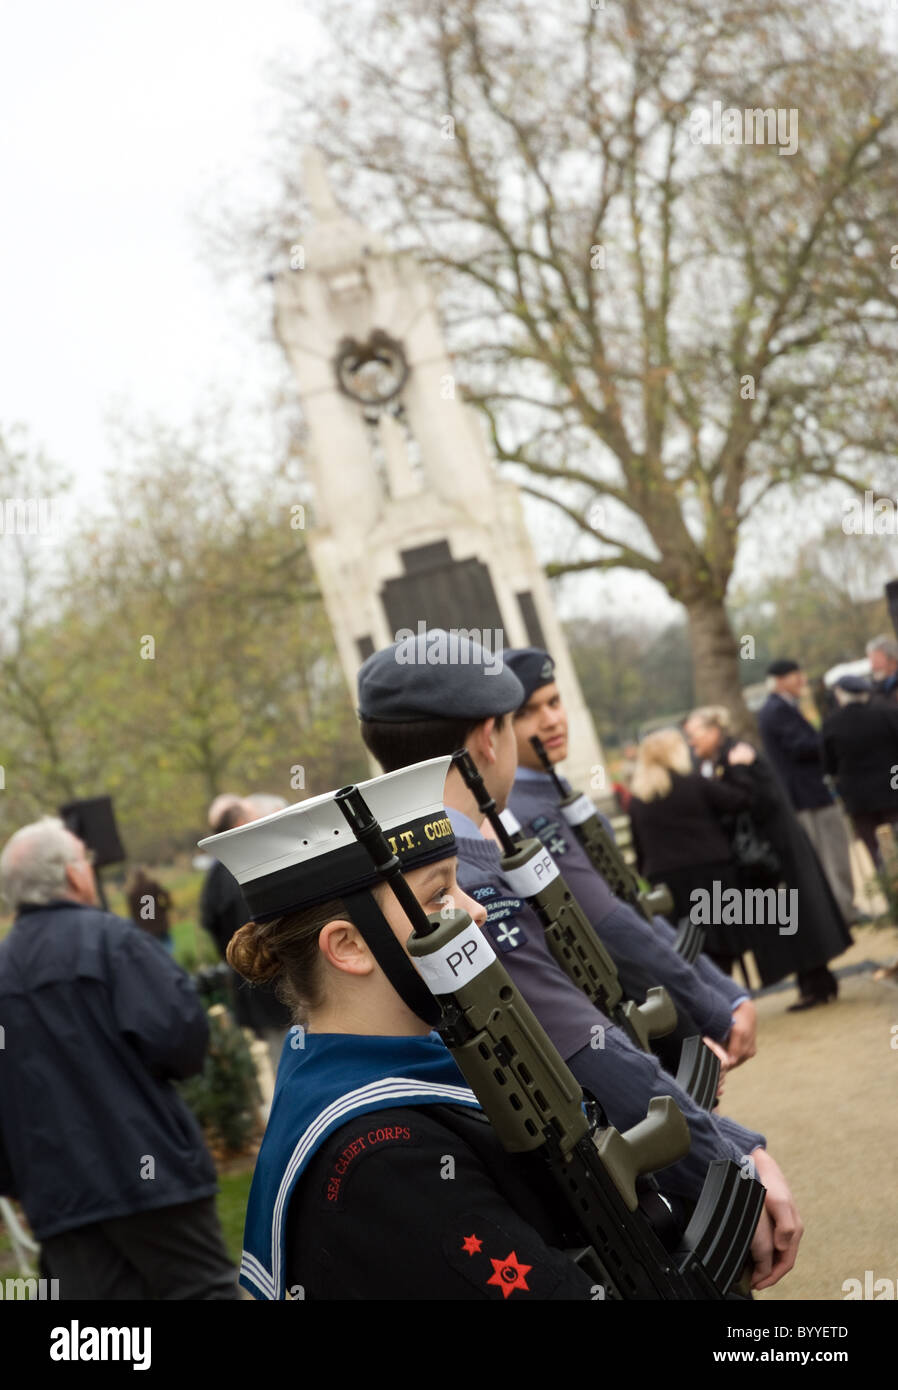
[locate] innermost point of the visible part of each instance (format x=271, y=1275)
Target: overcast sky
x=121, y=122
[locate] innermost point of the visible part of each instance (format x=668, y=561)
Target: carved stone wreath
x=372, y=372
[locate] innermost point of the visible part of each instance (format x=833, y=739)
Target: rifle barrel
x=475, y=784
x=539, y=749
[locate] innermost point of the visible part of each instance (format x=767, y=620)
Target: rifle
x=607, y=860
x=532, y=872
x=536, y=1106
x=689, y=941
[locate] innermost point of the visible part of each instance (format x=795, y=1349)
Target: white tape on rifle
x=458, y=962
x=510, y=820
x=534, y=875
x=579, y=810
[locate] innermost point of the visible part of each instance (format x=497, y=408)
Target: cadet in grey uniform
x=720, y=1008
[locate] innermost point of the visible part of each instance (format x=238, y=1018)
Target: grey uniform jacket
x=604, y=1061
x=643, y=956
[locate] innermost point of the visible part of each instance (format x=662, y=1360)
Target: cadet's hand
x=740, y=1041
x=762, y=1249
x=724, y=1058
x=780, y=1228
x=741, y=753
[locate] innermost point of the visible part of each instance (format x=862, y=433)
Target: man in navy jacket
x=795, y=749
x=106, y=1159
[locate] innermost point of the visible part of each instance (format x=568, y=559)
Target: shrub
x=225, y=1097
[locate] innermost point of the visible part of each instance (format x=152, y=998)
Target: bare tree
x=663, y=238
x=38, y=684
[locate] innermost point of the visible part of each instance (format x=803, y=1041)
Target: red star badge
x=509, y=1275
x=471, y=1245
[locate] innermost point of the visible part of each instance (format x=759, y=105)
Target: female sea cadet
x=378, y=1175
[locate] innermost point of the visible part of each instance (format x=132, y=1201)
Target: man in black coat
x=95, y=1142
x=860, y=751
x=795, y=750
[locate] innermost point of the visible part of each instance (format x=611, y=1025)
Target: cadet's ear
x=480, y=744
x=343, y=946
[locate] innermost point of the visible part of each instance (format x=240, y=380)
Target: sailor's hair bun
x=251, y=955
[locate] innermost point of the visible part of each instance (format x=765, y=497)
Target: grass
x=231, y=1202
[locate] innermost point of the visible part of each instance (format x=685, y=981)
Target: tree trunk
x=715, y=661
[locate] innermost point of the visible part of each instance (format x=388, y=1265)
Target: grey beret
x=533, y=667
x=436, y=675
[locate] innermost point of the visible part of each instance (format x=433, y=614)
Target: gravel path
x=823, y=1088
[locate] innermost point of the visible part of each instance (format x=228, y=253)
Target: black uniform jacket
x=423, y=1203
x=860, y=750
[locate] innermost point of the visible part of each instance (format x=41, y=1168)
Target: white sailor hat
x=307, y=853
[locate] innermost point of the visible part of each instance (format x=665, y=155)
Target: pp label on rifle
x=457, y=963
x=534, y=875
x=578, y=811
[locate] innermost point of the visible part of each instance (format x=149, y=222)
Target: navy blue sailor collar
x=324, y=1080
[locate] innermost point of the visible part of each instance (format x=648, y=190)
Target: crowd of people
x=713, y=815
x=118, y=1185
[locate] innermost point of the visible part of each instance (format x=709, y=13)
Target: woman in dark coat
x=679, y=839
x=820, y=931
